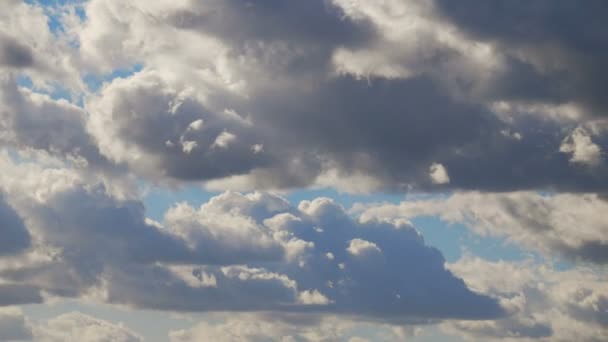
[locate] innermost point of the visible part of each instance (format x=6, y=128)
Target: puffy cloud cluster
x=266, y=95
x=544, y=304
x=394, y=95
x=299, y=327
x=73, y=326
x=570, y=225
x=236, y=252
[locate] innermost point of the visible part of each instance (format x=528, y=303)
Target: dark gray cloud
x=16, y=294
x=367, y=97
x=32, y=121
x=560, y=48
x=15, y=237
x=14, y=54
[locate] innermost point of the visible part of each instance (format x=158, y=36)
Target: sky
x=321, y=170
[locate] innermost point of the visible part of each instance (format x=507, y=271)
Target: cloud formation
x=250, y=252
x=360, y=92
x=544, y=303
x=569, y=225
x=500, y=103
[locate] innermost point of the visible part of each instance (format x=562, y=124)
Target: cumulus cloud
x=29, y=120
x=15, y=236
x=163, y=131
x=567, y=225
x=438, y=174
x=305, y=93
x=582, y=149
x=544, y=303
x=75, y=326
x=236, y=252
x=396, y=95
x=14, y=326
x=269, y=327
x=28, y=46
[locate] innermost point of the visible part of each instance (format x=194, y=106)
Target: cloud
x=568, y=61
x=13, y=54
x=30, y=48
x=438, y=174
x=544, y=303
x=14, y=326
x=160, y=131
x=15, y=294
x=306, y=97
x=269, y=327
x=582, y=149
x=76, y=326
x=237, y=252
x=15, y=237
x=566, y=225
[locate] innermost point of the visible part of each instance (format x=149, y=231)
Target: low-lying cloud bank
x=236, y=252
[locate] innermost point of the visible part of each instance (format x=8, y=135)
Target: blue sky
x=321, y=170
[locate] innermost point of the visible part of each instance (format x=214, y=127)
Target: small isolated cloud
x=438, y=174
x=224, y=140
x=359, y=247
x=581, y=148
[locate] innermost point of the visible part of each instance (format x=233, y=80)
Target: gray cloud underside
x=236, y=252
x=288, y=93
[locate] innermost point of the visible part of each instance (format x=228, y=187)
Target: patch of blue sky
x=158, y=200
x=55, y=90
x=453, y=240
x=52, y=9
x=95, y=82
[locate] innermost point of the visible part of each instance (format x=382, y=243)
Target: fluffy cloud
x=394, y=95
x=75, y=326
x=14, y=326
x=268, y=327
x=305, y=93
x=564, y=224
x=30, y=120
x=250, y=252
x=438, y=174
x=568, y=61
x=582, y=149
x=544, y=304
x=162, y=130
x=28, y=45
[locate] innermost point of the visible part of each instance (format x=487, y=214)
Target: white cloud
x=360, y=247
x=76, y=326
x=570, y=225
x=224, y=139
x=439, y=174
x=544, y=304
x=581, y=148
